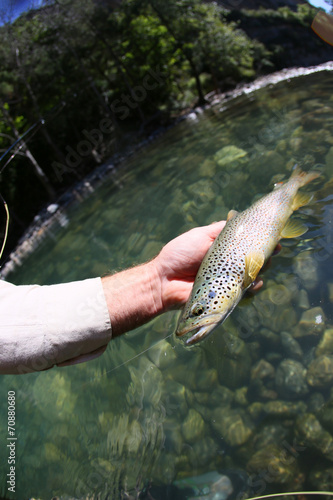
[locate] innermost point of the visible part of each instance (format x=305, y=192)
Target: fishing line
x=40, y=123
x=291, y=493
x=7, y=225
x=97, y=377
x=137, y=355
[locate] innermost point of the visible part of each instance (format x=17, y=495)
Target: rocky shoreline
x=56, y=213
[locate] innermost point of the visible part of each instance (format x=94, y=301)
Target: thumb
x=215, y=228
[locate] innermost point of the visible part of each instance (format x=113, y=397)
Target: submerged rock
x=291, y=346
x=233, y=426
x=175, y=398
x=193, y=426
x=325, y=416
x=315, y=402
x=284, y=409
x=320, y=371
x=228, y=155
x=262, y=370
x=272, y=459
x=310, y=433
x=241, y=396
x=207, y=379
x=330, y=291
x=209, y=486
x=306, y=268
x=321, y=478
x=146, y=384
x=325, y=345
x=290, y=379
x=207, y=168
x=162, y=354
x=270, y=434
x=312, y=322
x=221, y=397
x=235, y=365
x=303, y=299
x=205, y=450
x=202, y=190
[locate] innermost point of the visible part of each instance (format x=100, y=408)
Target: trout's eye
x=197, y=309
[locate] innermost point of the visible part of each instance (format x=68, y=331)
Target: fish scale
x=235, y=258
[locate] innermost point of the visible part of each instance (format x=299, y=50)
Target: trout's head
x=208, y=306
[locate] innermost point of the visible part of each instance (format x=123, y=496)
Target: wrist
x=133, y=297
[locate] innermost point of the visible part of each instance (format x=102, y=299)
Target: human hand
x=178, y=262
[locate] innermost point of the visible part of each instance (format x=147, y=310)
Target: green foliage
x=304, y=15
x=74, y=63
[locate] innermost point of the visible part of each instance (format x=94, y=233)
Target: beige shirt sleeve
x=43, y=326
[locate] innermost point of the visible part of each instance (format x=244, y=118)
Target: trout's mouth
x=200, y=330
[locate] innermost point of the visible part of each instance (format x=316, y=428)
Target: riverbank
x=56, y=214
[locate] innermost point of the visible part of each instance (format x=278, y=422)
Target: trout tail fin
x=303, y=177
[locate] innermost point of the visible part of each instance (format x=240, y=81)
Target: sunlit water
x=151, y=412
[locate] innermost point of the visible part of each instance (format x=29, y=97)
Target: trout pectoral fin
x=293, y=228
x=232, y=214
x=301, y=199
x=253, y=263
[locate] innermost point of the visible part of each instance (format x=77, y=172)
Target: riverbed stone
x=330, y=291
x=272, y=458
x=202, y=191
x=306, y=268
x=284, y=409
x=255, y=410
x=270, y=338
x=162, y=354
x=241, y=396
x=193, y=426
x=310, y=433
x=235, y=365
x=290, y=379
x=325, y=416
x=207, y=168
x=291, y=347
x=207, y=379
x=262, y=370
x=303, y=299
x=146, y=384
x=234, y=426
x=228, y=155
x=312, y=323
x=315, y=402
x=220, y=397
x=325, y=345
x=175, y=399
x=279, y=294
x=321, y=479
x=320, y=371
x=205, y=449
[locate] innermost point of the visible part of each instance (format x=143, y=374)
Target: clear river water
x=250, y=410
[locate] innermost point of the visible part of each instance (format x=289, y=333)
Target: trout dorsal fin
x=253, y=263
x=293, y=228
x=301, y=199
x=232, y=214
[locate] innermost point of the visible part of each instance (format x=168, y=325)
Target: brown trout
x=235, y=258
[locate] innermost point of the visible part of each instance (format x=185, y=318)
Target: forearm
x=41, y=326
x=133, y=297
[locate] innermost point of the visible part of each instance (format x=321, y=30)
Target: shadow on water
x=248, y=412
